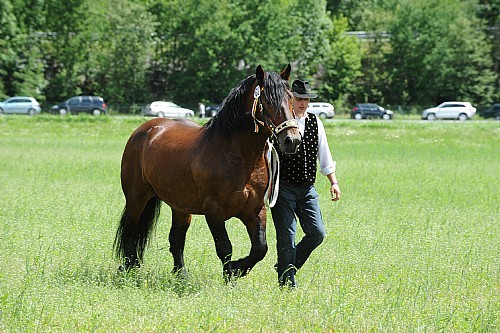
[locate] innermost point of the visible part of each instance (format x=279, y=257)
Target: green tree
x=8, y=30
x=62, y=49
x=439, y=52
x=21, y=65
x=489, y=11
x=340, y=73
x=360, y=13
x=118, y=47
x=190, y=50
x=218, y=43
x=280, y=32
x=198, y=50
x=310, y=43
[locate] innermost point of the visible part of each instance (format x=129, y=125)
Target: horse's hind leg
x=177, y=239
x=138, y=219
x=142, y=206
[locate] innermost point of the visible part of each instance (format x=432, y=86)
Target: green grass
x=413, y=246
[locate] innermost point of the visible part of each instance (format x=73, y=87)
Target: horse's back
x=162, y=137
x=187, y=121
x=167, y=123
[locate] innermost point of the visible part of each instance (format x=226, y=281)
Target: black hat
x=302, y=89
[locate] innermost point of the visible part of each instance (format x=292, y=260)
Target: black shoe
x=288, y=284
x=287, y=279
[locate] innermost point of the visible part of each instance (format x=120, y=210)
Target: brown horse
x=217, y=170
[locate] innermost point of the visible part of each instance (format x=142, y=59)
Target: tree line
x=132, y=52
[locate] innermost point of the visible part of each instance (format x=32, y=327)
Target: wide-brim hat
x=302, y=89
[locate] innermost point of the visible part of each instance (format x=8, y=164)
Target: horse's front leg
x=256, y=228
x=223, y=245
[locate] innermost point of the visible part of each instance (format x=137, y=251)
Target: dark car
x=93, y=105
x=370, y=110
x=492, y=112
x=212, y=110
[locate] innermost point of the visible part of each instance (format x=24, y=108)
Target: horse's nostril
x=297, y=141
x=291, y=145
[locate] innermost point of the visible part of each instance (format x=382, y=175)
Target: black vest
x=301, y=167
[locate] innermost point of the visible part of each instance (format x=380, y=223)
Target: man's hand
x=335, y=192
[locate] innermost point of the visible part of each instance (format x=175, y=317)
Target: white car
x=322, y=110
x=167, y=109
x=20, y=105
x=450, y=110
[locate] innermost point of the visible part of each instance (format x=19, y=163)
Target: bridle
x=275, y=130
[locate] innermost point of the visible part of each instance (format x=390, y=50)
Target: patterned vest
x=301, y=167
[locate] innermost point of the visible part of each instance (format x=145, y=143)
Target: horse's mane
x=233, y=117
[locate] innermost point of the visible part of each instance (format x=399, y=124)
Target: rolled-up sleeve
x=326, y=163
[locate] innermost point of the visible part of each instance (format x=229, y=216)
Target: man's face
x=300, y=104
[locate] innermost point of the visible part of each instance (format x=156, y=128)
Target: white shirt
x=326, y=163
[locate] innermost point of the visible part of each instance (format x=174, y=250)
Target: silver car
x=322, y=110
x=167, y=109
x=20, y=105
x=450, y=110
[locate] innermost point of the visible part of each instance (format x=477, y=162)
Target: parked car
x=93, y=105
x=492, y=112
x=450, y=110
x=20, y=105
x=212, y=110
x=167, y=109
x=322, y=110
x=370, y=110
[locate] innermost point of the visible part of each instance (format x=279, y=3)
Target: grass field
x=413, y=246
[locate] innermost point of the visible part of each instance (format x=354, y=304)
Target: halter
x=275, y=130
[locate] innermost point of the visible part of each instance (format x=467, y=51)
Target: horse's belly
x=227, y=207
x=214, y=206
x=179, y=197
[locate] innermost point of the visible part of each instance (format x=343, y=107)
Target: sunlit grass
x=411, y=247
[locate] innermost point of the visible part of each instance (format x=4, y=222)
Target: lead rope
x=273, y=184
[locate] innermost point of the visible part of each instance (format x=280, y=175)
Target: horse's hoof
x=232, y=275
x=122, y=269
x=129, y=265
x=180, y=273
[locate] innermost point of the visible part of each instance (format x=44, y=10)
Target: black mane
x=233, y=115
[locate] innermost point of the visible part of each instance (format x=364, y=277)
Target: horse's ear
x=285, y=75
x=259, y=73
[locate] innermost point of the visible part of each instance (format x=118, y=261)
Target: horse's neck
x=250, y=145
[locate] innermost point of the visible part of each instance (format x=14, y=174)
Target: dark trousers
x=293, y=201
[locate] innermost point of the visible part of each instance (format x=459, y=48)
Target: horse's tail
x=132, y=237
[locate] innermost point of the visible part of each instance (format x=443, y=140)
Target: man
x=201, y=108
x=297, y=195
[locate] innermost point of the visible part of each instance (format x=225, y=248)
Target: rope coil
x=273, y=164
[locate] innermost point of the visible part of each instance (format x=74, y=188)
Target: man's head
x=302, y=94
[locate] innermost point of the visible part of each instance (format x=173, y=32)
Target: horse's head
x=272, y=108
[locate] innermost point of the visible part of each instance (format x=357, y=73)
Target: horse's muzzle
x=291, y=144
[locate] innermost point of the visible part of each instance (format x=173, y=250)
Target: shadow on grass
x=137, y=278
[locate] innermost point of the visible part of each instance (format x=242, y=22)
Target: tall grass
x=413, y=246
